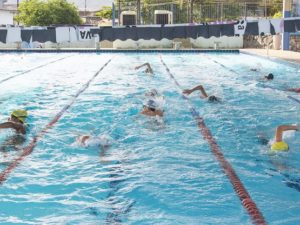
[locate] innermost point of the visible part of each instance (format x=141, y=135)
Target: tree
x=45, y=13
x=105, y=12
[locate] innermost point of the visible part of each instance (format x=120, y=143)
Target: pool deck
x=279, y=54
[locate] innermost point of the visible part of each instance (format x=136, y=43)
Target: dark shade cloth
x=94, y=31
x=203, y=31
x=43, y=36
x=167, y=32
x=179, y=32
x=131, y=33
x=3, y=34
x=26, y=35
x=272, y=30
x=214, y=30
x=252, y=28
x=148, y=33
x=192, y=31
x=289, y=26
x=125, y=33
x=227, y=30
x=107, y=33
x=297, y=22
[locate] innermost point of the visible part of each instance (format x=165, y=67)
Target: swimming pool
x=153, y=173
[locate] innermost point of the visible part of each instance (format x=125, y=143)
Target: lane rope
x=32, y=69
x=250, y=206
x=294, y=99
x=28, y=150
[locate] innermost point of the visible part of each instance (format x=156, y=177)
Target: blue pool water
x=154, y=172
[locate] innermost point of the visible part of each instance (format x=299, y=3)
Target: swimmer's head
x=151, y=105
x=270, y=76
x=280, y=146
x=213, y=98
x=19, y=115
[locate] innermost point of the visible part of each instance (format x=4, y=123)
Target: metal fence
x=199, y=12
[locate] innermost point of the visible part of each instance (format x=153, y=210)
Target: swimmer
x=296, y=90
x=270, y=76
x=147, y=70
x=16, y=121
x=279, y=144
x=88, y=141
x=151, y=109
x=200, y=88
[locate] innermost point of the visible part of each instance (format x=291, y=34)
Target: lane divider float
x=28, y=150
x=240, y=190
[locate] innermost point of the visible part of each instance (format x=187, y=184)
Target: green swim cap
x=20, y=114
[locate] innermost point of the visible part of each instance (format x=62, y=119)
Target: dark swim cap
x=212, y=98
x=270, y=76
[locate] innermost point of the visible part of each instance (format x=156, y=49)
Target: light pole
x=18, y=9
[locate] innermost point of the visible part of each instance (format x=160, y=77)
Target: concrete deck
x=285, y=55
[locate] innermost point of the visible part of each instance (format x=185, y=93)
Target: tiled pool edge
x=117, y=51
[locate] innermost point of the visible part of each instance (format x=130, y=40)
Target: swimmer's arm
x=280, y=129
x=18, y=127
x=149, y=68
x=199, y=88
x=145, y=64
x=297, y=90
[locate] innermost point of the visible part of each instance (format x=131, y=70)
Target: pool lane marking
x=34, y=68
x=28, y=149
x=238, y=186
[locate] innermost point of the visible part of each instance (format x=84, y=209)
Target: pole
x=85, y=8
x=18, y=10
x=138, y=12
x=287, y=9
x=113, y=19
x=266, y=9
x=119, y=12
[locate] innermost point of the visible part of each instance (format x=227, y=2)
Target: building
x=7, y=13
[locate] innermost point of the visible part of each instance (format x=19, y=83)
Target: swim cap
x=280, y=146
x=151, y=104
x=270, y=76
x=20, y=114
x=212, y=98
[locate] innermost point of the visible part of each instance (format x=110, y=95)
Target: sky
x=90, y=4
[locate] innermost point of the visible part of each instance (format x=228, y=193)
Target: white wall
x=6, y=17
x=223, y=42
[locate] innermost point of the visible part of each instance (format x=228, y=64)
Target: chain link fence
x=199, y=13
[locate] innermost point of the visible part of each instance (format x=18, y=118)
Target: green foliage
x=45, y=13
x=276, y=8
x=278, y=15
x=105, y=12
